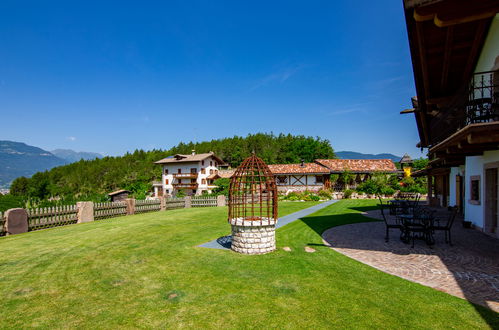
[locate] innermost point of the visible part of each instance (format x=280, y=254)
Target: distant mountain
x=358, y=155
x=71, y=156
x=19, y=159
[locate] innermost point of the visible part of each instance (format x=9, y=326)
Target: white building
x=193, y=174
x=455, y=53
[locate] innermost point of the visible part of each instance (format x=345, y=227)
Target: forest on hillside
x=93, y=179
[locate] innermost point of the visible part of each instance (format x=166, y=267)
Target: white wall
x=474, y=166
x=490, y=49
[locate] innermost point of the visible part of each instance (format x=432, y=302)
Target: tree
x=222, y=186
x=20, y=186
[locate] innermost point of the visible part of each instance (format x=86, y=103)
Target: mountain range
x=19, y=159
x=358, y=155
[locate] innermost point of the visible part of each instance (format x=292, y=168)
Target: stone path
x=469, y=269
x=224, y=242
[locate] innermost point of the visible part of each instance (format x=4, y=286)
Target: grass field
x=147, y=271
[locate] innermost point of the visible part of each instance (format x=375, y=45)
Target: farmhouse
x=191, y=174
x=316, y=176
x=455, y=57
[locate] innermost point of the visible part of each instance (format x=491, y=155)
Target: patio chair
x=389, y=225
x=446, y=226
x=420, y=225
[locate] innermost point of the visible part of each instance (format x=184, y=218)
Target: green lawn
x=147, y=271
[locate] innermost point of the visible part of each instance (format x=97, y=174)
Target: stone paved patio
x=469, y=269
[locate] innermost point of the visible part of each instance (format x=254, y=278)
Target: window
x=319, y=179
x=202, y=163
x=203, y=171
x=166, y=181
x=203, y=181
x=194, y=170
x=166, y=171
x=211, y=163
x=179, y=170
x=282, y=179
x=211, y=171
x=475, y=190
x=193, y=180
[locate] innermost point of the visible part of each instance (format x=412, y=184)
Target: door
x=459, y=193
x=491, y=200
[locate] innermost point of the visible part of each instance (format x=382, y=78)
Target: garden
x=148, y=270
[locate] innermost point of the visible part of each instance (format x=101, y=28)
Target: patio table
x=417, y=224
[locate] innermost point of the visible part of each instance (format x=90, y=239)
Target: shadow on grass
x=373, y=240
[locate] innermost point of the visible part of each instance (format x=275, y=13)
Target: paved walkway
x=469, y=269
x=224, y=242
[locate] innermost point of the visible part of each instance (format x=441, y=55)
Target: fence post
x=16, y=221
x=85, y=212
x=188, y=201
x=130, y=206
x=221, y=200
x=162, y=203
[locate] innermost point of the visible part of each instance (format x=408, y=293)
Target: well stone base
x=253, y=239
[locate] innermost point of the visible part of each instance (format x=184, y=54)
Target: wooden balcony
x=185, y=185
x=185, y=175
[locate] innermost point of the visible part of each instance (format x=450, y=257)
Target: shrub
x=348, y=193
x=387, y=191
x=369, y=187
x=326, y=194
x=315, y=198
x=180, y=193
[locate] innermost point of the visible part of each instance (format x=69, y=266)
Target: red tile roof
x=358, y=165
x=298, y=168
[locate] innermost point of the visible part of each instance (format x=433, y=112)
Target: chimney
x=302, y=163
x=193, y=152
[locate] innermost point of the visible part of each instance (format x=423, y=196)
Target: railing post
x=130, y=206
x=16, y=221
x=188, y=201
x=221, y=200
x=85, y=212
x=162, y=203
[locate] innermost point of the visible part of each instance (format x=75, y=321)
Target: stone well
x=253, y=207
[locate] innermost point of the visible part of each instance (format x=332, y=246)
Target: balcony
x=482, y=105
x=185, y=175
x=185, y=185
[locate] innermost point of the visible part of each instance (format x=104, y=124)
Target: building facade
x=455, y=56
x=193, y=174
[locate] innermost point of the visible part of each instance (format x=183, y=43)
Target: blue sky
x=111, y=76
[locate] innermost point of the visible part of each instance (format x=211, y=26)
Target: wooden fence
x=142, y=206
x=108, y=210
x=2, y=225
x=202, y=201
x=41, y=218
x=46, y=217
x=174, y=203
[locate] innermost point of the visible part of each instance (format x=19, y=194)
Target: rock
x=287, y=249
x=309, y=249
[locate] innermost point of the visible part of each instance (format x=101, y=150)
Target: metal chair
x=419, y=225
x=388, y=224
x=446, y=226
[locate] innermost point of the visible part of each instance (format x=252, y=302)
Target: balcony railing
x=185, y=185
x=483, y=98
x=185, y=175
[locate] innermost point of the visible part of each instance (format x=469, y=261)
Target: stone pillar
x=162, y=203
x=253, y=237
x=16, y=221
x=85, y=211
x=188, y=201
x=221, y=200
x=130, y=206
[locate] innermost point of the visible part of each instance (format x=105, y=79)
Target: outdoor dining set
x=416, y=221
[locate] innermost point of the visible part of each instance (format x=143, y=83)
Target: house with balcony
x=454, y=48
x=192, y=174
